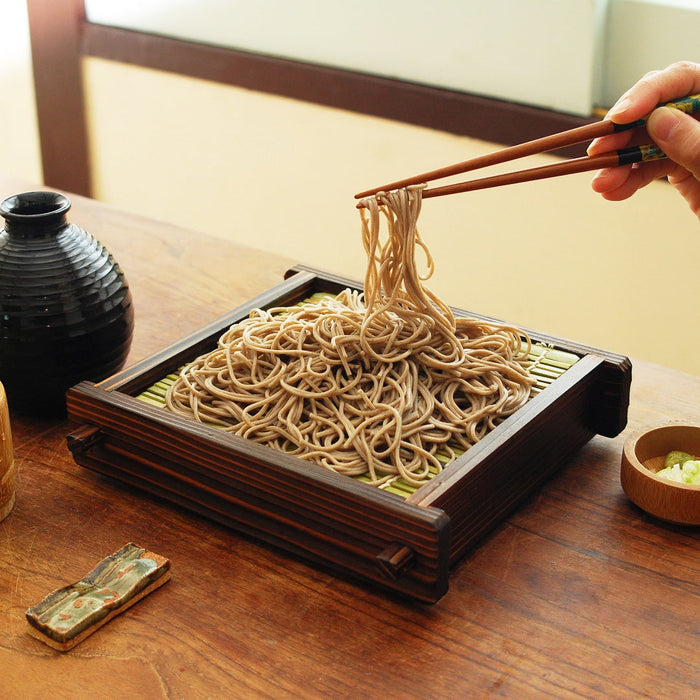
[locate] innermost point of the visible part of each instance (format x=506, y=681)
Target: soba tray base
x=406, y=543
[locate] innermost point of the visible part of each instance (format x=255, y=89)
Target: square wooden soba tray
x=402, y=538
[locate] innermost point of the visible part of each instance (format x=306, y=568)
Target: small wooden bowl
x=643, y=455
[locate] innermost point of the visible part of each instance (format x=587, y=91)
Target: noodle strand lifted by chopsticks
x=379, y=383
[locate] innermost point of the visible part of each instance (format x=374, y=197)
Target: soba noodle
x=386, y=383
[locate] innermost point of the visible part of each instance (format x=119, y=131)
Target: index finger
x=655, y=88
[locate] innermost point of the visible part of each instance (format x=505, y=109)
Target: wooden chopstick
x=624, y=156
x=542, y=145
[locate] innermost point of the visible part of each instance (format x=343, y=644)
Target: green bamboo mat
x=546, y=365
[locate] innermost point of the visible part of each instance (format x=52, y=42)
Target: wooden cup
x=644, y=455
x=7, y=462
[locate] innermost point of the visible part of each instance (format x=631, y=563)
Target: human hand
x=676, y=133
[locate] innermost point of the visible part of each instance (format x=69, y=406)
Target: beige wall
x=19, y=143
x=280, y=175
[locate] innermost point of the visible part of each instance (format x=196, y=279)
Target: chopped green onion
x=681, y=468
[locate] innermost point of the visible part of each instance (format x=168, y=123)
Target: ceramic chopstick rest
x=68, y=615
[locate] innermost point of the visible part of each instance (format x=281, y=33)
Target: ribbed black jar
x=66, y=312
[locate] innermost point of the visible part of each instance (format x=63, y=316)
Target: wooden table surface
x=578, y=594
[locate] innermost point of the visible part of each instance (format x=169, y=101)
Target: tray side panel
x=304, y=509
x=496, y=475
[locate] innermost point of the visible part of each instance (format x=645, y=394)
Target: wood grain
x=55, y=30
x=577, y=594
x=8, y=470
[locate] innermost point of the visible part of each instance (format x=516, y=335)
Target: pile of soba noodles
x=387, y=383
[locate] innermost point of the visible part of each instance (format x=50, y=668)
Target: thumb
x=678, y=135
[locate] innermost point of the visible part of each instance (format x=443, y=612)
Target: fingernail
x=620, y=107
x=662, y=123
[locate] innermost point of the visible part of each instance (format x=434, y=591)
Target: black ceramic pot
x=66, y=312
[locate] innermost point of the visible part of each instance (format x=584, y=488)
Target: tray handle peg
x=83, y=438
x=395, y=560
